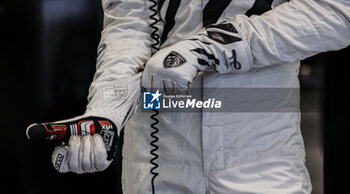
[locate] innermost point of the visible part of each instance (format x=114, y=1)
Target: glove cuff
x=223, y=48
x=116, y=100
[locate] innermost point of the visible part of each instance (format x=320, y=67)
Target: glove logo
x=107, y=137
x=151, y=100
x=58, y=161
x=173, y=59
x=107, y=133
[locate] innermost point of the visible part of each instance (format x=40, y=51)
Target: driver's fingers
x=75, y=149
x=100, y=153
x=87, y=159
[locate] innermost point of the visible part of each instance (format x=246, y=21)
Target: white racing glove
x=92, y=138
x=219, y=48
x=83, y=154
x=92, y=143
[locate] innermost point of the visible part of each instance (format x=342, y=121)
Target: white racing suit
x=213, y=152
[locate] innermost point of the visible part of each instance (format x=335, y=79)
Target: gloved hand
x=220, y=48
x=84, y=154
x=111, y=104
x=91, y=147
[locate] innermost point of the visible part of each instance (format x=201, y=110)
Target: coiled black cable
x=155, y=30
x=155, y=47
x=155, y=148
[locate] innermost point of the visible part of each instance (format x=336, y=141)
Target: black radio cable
x=155, y=47
x=155, y=148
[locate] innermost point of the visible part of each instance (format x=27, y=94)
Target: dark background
x=47, y=59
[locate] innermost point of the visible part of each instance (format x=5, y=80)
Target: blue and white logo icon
x=151, y=100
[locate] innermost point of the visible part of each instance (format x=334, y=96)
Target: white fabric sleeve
x=296, y=30
x=124, y=47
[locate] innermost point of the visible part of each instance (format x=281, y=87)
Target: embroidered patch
x=173, y=59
